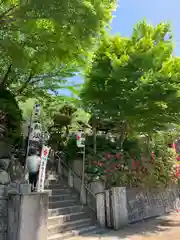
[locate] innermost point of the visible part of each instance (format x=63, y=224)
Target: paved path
x=161, y=228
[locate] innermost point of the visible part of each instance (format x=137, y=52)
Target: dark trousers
x=33, y=178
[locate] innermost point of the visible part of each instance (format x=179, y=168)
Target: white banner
x=80, y=139
x=35, y=134
x=42, y=169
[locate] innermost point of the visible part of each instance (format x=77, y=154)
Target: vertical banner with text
x=42, y=169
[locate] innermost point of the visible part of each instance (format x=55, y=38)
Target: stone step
x=58, y=191
x=61, y=236
x=75, y=232
x=62, y=197
x=56, y=180
x=64, y=203
x=61, y=219
x=65, y=210
x=57, y=186
x=61, y=228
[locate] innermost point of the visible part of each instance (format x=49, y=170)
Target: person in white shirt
x=33, y=164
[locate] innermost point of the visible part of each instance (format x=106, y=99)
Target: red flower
x=177, y=171
x=118, y=166
x=100, y=164
x=137, y=163
x=118, y=155
x=106, y=154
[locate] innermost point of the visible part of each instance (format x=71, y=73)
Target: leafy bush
x=71, y=150
x=152, y=167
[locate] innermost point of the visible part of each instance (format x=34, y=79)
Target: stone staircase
x=67, y=216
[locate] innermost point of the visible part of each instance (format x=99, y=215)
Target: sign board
x=80, y=139
x=35, y=133
x=42, y=169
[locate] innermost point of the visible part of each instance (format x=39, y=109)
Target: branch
x=6, y=75
x=8, y=11
x=25, y=84
x=36, y=81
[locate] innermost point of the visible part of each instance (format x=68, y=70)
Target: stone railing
x=120, y=206
x=5, y=190
x=125, y=206
x=21, y=212
x=143, y=204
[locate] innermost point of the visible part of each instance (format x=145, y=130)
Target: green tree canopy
x=41, y=40
x=135, y=80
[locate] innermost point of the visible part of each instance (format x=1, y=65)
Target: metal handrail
x=89, y=191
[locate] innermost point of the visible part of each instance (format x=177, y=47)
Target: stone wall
x=143, y=204
x=3, y=212
x=27, y=216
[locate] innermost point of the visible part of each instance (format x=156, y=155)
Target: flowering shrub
x=121, y=169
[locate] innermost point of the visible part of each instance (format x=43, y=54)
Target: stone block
x=3, y=224
x=3, y=235
x=27, y=216
x=119, y=207
x=4, y=163
x=3, y=208
x=100, y=203
x=97, y=187
x=24, y=188
x=4, y=177
x=3, y=192
x=143, y=204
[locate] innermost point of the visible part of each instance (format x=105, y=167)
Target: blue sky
x=130, y=12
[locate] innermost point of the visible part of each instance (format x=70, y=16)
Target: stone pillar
x=97, y=187
x=100, y=208
x=119, y=207
x=83, y=194
x=27, y=216
x=59, y=167
x=70, y=179
x=108, y=208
